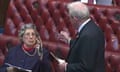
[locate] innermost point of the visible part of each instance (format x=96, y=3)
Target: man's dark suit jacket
x=87, y=51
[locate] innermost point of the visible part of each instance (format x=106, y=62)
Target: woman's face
x=29, y=37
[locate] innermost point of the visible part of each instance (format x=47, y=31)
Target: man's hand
x=62, y=65
x=64, y=36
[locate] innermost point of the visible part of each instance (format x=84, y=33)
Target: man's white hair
x=78, y=10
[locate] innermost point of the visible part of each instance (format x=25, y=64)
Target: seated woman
x=29, y=55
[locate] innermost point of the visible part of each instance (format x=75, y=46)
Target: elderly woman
x=29, y=55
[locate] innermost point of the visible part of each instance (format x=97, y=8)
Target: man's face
x=74, y=21
x=29, y=37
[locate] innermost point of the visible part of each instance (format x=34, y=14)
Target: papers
x=18, y=69
x=57, y=59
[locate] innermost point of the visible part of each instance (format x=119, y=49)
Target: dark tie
x=91, y=1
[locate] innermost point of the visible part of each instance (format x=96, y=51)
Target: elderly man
x=86, y=52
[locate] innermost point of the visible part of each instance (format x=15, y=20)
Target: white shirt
x=82, y=25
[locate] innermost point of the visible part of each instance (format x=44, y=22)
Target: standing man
x=86, y=52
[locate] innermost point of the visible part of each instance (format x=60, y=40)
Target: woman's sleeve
x=46, y=61
x=3, y=68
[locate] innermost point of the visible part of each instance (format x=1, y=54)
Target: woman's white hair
x=78, y=10
x=27, y=26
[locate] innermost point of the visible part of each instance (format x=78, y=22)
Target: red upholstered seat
x=44, y=33
x=115, y=62
x=116, y=2
x=2, y=57
x=38, y=22
x=10, y=28
x=45, y=14
x=56, y=15
x=118, y=68
x=107, y=61
x=17, y=19
x=102, y=21
x=60, y=24
x=52, y=29
x=34, y=13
